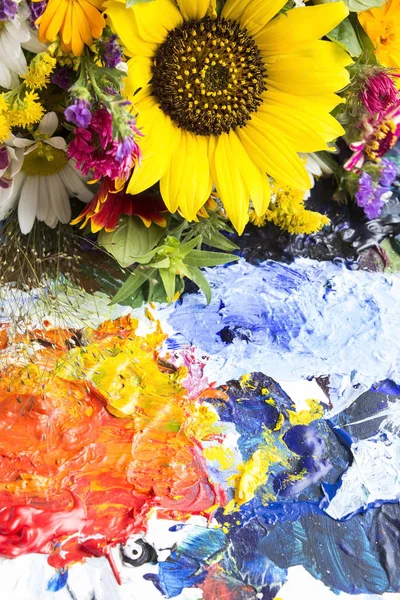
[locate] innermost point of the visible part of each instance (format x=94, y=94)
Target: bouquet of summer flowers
x=155, y=128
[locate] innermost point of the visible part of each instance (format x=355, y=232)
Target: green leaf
x=168, y=279
x=346, y=37
x=217, y=240
x=130, y=3
x=203, y=258
x=199, y=279
x=132, y=284
x=165, y=263
x=185, y=248
x=360, y=5
x=131, y=239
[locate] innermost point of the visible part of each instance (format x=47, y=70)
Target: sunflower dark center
x=208, y=76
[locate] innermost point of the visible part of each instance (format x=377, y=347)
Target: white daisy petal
x=9, y=197
x=51, y=220
x=28, y=202
x=74, y=183
x=59, y=198
x=23, y=143
x=15, y=58
x=48, y=124
x=43, y=200
x=57, y=142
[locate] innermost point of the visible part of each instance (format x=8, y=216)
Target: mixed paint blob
x=205, y=451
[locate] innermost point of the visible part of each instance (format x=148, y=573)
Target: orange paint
x=91, y=439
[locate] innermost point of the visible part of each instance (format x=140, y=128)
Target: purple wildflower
x=111, y=52
x=125, y=149
x=388, y=173
x=8, y=10
x=79, y=113
x=36, y=9
x=63, y=77
x=368, y=198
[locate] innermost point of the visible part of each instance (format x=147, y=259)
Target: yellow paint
x=254, y=473
x=304, y=417
x=230, y=507
x=224, y=456
x=280, y=422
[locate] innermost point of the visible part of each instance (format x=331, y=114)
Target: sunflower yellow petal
x=122, y=21
x=187, y=183
x=258, y=13
x=155, y=19
x=193, y=9
x=261, y=200
x=299, y=27
x=226, y=175
x=307, y=130
x=157, y=144
x=233, y=9
x=316, y=105
x=316, y=69
x=139, y=75
x=272, y=152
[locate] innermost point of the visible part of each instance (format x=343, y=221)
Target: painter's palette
x=248, y=449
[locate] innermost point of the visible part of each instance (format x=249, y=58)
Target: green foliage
x=358, y=5
x=132, y=239
x=162, y=258
x=345, y=35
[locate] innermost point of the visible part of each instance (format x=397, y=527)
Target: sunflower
x=76, y=21
x=382, y=25
x=227, y=100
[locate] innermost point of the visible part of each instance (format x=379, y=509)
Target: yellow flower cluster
x=39, y=72
x=18, y=112
x=289, y=213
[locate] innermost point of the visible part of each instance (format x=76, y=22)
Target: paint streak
x=94, y=438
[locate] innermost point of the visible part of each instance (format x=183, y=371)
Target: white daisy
x=15, y=35
x=45, y=181
x=11, y=160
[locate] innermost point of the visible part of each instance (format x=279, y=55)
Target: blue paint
x=58, y=581
x=304, y=441
x=279, y=319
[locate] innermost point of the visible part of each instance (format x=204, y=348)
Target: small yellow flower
x=26, y=112
x=382, y=25
x=39, y=72
x=5, y=130
x=287, y=211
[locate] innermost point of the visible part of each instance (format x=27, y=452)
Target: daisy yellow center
x=44, y=160
x=208, y=76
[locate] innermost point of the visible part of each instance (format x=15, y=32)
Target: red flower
x=111, y=201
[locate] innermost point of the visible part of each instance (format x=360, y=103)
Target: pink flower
x=379, y=93
x=94, y=149
x=380, y=133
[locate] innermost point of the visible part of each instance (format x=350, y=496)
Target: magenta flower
x=379, y=93
x=94, y=149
